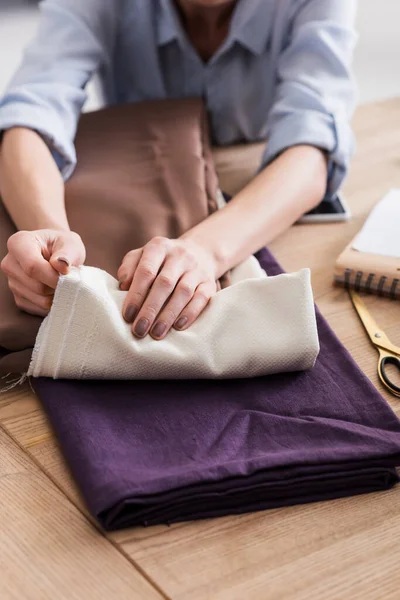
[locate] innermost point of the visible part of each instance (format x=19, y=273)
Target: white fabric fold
x=259, y=325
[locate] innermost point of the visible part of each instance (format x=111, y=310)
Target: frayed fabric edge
x=11, y=385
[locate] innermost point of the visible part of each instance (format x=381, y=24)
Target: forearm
x=31, y=186
x=292, y=185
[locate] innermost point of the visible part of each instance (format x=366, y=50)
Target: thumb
x=67, y=251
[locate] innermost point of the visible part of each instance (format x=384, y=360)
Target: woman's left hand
x=169, y=284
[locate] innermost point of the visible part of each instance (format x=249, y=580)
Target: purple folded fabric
x=148, y=452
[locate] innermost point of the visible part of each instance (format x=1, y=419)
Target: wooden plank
x=48, y=456
x=345, y=548
x=31, y=428
x=23, y=417
x=18, y=401
x=47, y=548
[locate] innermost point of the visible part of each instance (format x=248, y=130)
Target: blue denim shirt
x=282, y=74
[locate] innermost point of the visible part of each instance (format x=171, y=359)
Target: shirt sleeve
x=74, y=39
x=315, y=95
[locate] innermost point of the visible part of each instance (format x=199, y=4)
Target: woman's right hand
x=34, y=262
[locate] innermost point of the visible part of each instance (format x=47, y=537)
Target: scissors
x=389, y=354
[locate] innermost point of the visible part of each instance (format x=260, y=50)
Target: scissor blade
x=377, y=336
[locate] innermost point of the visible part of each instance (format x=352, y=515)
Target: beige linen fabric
x=257, y=326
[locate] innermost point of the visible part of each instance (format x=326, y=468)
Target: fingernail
x=159, y=329
x=122, y=279
x=180, y=324
x=141, y=327
x=63, y=260
x=130, y=313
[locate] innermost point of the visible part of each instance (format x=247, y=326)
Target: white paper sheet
x=381, y=231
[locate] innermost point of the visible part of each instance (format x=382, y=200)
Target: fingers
x=179, y=299
x=169, y=284
x=151, y=260
x=41, y=302
x=195, y=307
x=67, y=250
x=29, y=307
x=161, y=290
x=34, y=262
x=29, y=295
x=128, y=268
x=14, y=271
x=27, y=250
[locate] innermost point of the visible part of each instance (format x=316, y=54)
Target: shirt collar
x=251, y=24
x=168, y=25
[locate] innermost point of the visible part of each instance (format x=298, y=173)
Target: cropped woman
x=273, y=70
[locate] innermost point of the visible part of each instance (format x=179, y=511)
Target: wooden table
x=50, y=548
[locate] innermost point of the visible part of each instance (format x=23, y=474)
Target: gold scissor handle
x=386, y=358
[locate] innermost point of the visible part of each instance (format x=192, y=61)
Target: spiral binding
x=358, y=281
x=369, y=282
x=358, y=284
x=381, y=285
x=393, y=288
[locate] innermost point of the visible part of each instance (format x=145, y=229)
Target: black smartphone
x=328, y=212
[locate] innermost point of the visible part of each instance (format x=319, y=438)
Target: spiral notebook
x=371, y=262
